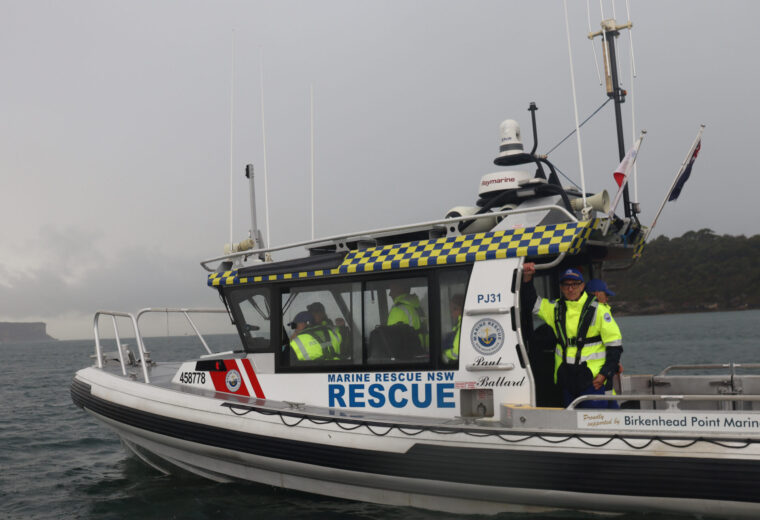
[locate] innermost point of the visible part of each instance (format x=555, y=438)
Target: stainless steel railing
x=712, y=366
x=353, y=236
x=138, y=336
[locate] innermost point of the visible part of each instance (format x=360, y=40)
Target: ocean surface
x=57, y=462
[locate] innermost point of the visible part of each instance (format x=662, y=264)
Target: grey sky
x=115, y=129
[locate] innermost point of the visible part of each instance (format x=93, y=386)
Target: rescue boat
x=452, y=408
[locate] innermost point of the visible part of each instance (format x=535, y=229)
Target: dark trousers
x=568, y=397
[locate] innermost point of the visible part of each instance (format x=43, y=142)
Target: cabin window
x=453, y=287
x=322, y=324
x=251, y=309
x=377, y=322
x=396, y=321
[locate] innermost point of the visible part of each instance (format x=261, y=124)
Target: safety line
x=551, y=439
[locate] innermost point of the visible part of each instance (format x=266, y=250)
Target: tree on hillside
x=696, y=271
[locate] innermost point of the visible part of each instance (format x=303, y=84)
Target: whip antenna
x=593, y=49
x=575, y=108
x=605, y=54
x=232, y=124
x=311, y=95
x=264, y=139
x=637, y=208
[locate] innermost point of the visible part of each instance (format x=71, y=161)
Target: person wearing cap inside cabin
x=305, y=346
x=323, y=329
x=589, y=343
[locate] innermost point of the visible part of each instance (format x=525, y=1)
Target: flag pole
x=673, y=184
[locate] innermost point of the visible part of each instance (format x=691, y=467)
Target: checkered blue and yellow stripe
x=638, y=247
x=566, y=237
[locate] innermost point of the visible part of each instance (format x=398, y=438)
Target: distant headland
x=28, y=331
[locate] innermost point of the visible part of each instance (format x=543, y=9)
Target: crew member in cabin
x=589, y=343
x=451, y=341
x=303, y=344
x=323, y=328
x=407, y=309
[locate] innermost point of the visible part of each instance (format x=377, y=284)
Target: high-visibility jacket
x=603, y=332
x=327, y=337
x=452, y=354
x=306, y=347
x=407, y=309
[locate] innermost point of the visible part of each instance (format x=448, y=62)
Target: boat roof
x=566, y=237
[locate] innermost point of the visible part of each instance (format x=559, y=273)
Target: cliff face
x=35, y=331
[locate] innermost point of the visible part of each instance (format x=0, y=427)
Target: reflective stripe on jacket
x=306, y=347
x=602, y=326
x=328, y=338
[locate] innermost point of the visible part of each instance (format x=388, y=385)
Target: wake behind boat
x=404, y=366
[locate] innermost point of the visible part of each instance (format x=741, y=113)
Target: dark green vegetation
x=698, y=271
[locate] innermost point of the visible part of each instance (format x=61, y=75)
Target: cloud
x=134, y=278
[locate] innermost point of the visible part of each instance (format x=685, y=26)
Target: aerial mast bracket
x=611, y=30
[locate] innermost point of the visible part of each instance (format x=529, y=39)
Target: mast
x=610, y=31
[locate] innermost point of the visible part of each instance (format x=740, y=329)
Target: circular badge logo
x=487, y=336
x=233, y=380
x=607, y=317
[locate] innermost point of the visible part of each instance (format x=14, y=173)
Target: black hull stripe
x=641, y=476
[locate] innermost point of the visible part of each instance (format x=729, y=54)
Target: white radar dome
x=503, y=180
x=511, y=151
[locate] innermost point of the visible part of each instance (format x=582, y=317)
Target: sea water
x=58, y=462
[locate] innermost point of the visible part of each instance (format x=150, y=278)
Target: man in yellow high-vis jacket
x=589, y=343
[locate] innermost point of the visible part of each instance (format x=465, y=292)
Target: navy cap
x=597, y=285
x=302, y=317
x=571, y=274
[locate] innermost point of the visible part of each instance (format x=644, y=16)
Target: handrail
x=138, y=336
x=186, y=312
x=652, y=397
x=359, y=235
x=138, y=339
x=730, y=366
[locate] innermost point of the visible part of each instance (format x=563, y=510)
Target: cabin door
x=491, y=347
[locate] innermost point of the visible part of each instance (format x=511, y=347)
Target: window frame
x=432, y=275
x=238, y=318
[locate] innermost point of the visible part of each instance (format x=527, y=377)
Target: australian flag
x=683, y=175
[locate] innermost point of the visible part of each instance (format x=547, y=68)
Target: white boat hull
x=458, y=470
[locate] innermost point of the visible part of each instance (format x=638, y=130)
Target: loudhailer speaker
x=599, y=202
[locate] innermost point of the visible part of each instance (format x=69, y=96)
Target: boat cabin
x=432, y=326
x=423, y=319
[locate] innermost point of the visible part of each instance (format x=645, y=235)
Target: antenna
x=232, y=123
x=256, y=240
x=636, y=206
x=264, y=139
x=610, y=31
x=252, y=195
x=593, y=49
x=575, y=107
x=311, y=92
